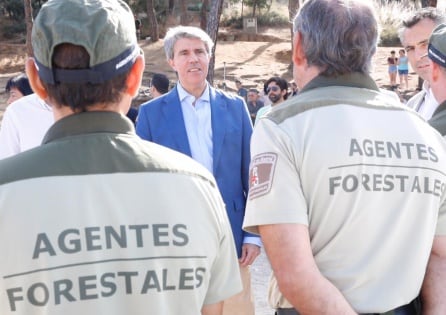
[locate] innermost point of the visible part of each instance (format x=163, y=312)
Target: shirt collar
x=355, y=79
x=426, y=87
x=44, y=104
x=183, y=94
x=440, y=108
x=89, y=122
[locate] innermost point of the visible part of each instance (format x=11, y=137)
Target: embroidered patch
x=261, y=174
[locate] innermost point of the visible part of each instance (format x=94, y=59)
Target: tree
x=153, y=23
x=212, y=30
x=257, y=4
x=203, y=14
x=29, y=26
x=14, y=9
x=183, y=17
x=170, y=6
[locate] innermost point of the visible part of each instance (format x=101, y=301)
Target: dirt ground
x=251, y=61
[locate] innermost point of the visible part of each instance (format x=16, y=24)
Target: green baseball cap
x=437, y=45
x=105, y=28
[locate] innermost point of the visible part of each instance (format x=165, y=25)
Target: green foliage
x=267, y=19
x=234, y=21
x=140, y=6
x=390, y=16
x=13, y=30
x=260, y=4
x=272, y=19
x=14, y=9
x=12, y=15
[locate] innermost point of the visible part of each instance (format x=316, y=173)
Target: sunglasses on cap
x=273, y=88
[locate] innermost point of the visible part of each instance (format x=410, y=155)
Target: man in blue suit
x=212, y=127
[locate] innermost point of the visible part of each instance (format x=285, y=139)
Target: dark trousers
x=413, y=308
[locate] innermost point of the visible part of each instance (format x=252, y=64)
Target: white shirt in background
x=24, y=125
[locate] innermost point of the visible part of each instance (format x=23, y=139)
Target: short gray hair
x=178, y=32
x=430, y=13
x=338, y=36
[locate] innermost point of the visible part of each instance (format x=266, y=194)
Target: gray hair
x=338, y=36
x=429, y=13
x=176, y=33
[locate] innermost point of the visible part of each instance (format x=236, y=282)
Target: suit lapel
x=173, y=115
x=218, y=114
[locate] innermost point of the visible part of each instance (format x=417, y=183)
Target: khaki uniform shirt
x=365, y=174
x=98, y=221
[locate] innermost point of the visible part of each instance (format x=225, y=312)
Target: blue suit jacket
x=161, y=121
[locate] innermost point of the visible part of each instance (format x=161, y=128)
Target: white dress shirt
x=198, y=123
x=424, y=102
x=24, y=124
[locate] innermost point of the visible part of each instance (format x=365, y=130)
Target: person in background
x=343, y=232
x=392, y=62
x=24, y=124
x=17, y=87
x=277, y=90
x=160, y=85
x=214, y=128
x=241, y=91
x=138, y=26
x=403, y=69
x=437, y=78
x=132, y=114
x=75, y=237
x=294, y=89
x=414, y=36
x=254, y=104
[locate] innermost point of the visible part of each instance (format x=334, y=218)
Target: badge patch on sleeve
x=261, y=174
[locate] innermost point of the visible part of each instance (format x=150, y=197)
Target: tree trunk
x=212, y=30
x=29, y=26
x=254, y=7
x=153, y=23
x=293, y=7
x=203, y=14
x=183, y=17
x=170, y=7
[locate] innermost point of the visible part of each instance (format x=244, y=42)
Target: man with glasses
x=277, y=90
x=414, y=36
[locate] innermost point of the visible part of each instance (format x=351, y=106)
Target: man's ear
x=435, y=73
x=171, y=64
x=298, y=54
x=134, y=78
x=284, y=92
x=34, y=79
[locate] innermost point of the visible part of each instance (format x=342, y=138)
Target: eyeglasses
x=273, y=88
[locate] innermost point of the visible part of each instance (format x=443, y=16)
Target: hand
x=249, y=254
